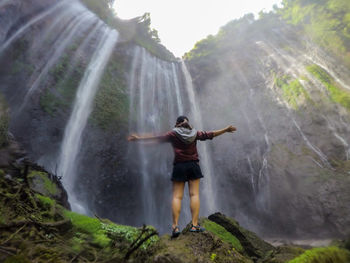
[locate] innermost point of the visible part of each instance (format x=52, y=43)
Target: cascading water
x=210, y=203
x=31, y=22
x=67, y=162
x=156, y=99
x=81, y=23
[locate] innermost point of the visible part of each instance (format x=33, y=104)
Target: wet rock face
x=289, y=159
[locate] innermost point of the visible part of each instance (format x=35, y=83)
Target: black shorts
x=186, y=171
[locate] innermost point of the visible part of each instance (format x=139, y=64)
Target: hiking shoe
x=197, y=229
x=175, y=232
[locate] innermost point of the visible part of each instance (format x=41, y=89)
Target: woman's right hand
x=133, y=137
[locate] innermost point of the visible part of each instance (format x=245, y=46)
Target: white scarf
x=186, y=135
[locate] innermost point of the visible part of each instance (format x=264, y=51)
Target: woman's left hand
x=231, y=128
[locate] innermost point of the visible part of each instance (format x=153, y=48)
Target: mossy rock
x=222, y=233
x=252, y=244
x=204, y=247
x=40, y=182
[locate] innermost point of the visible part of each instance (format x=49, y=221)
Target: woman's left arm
x=230, y=129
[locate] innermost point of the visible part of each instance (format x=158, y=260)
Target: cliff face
x=289, y=161
x=285, y=172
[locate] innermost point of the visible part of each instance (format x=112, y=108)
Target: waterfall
x=67, y=162
x=31, y=22
x=209, y=204
x=157, y=98
x=154, y=105
x=82, y=22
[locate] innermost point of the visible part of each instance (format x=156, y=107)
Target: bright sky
x=181, y=23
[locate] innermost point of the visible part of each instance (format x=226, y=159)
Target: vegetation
x=323, y=255
x=336, y=93
x=34, y=228
x=327, y=22
x=66, y=80
x=137, y=30
x=223, y=234
x=292, y=91
x=111, y=104
x=49, y=187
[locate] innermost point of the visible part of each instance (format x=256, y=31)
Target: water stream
x=67, y=162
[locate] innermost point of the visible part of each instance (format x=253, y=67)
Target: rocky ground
x=37, y=226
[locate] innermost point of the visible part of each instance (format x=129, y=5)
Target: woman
x=186, y=166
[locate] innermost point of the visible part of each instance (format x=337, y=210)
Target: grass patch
x=336, y=93
x=223, y=234
x=323, y=255
x=103, y=233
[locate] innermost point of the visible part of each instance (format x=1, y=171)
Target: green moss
x=77, y=244
x=292, y=91
x=46, y=202
x=337, y=94
x=90, y=226
x=49, y=186
x=223, y=234
x=323, y=255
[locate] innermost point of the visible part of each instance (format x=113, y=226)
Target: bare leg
x=194, y=200
x=178, y=192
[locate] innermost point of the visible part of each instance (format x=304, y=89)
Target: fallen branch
x=7, y=252
x=9, y=249
x=138, y=242
x=46, y=224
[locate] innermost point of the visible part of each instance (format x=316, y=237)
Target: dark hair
x=180, y=122
x=181, y=119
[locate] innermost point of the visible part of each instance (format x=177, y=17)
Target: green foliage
x=323, y=255
x=137, y=29
x=213, y=256
x=327, y=22
x=111, y=104
x=336, y=93
x=223, y=234
x=292, y=90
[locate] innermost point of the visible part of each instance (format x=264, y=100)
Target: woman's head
x=182, y=121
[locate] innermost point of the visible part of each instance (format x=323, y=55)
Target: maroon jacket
x=185, y=152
